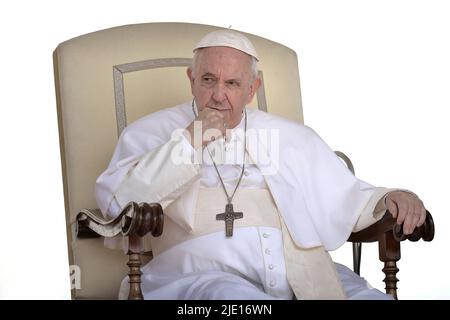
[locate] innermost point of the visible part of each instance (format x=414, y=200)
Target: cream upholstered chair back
x=112, y=77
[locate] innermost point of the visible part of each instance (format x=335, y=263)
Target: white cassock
x=316, y=196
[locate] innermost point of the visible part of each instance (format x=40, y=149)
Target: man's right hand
x=213, y=126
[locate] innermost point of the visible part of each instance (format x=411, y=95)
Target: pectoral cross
x=229, y=215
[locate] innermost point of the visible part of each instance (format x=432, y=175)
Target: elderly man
x=247, y=216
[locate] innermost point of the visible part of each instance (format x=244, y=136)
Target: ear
x=191, y=78
x=253, y=88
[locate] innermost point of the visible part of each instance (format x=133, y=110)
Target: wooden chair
x=112, y=77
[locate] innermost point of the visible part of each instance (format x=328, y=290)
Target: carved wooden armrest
x=389, y=234
x=388, y=224
x=134, y=221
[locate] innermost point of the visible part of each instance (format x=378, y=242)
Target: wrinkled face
x=223, y=80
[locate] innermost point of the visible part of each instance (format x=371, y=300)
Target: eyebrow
x=209, y=74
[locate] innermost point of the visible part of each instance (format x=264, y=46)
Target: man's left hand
x=407, y=208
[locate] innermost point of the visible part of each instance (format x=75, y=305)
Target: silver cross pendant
x=229, y=216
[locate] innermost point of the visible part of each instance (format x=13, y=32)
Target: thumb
x=392, y=207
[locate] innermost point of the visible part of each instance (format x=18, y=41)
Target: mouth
x=219, y=109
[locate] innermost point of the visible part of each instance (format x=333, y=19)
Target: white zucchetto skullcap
x=227, y=38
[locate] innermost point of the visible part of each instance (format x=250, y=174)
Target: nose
x=219, y=92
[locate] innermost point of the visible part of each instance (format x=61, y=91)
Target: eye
x=208, y=79
x=233, y=83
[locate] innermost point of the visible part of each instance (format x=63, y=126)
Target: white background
x=375, y=80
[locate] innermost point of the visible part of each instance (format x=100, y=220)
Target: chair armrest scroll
x=134, y=220
x=389, y=224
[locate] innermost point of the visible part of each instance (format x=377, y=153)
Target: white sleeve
x=374, y=209
x=161, y=175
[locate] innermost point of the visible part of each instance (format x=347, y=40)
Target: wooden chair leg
x=134, y=263
x=390, y=270
x=134, y=275
x=389, y=253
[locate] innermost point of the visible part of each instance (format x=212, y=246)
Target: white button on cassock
x=271, y=266
x=266, y=235
x=267, y=251
x=273, y=283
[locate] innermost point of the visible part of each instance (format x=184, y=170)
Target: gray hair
x=253, y=67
